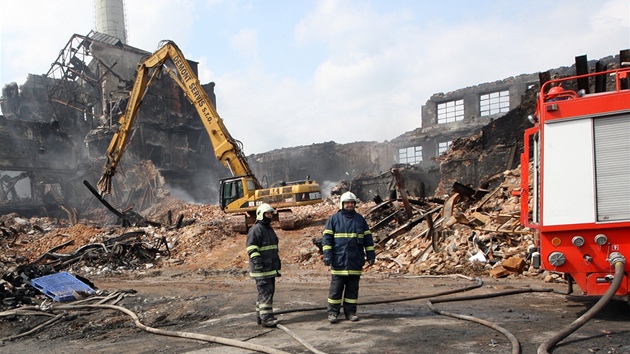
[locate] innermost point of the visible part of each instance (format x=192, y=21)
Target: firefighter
x=347, y=241
x=264, y=263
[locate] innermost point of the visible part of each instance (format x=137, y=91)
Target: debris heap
x=480, y=234
x=473, y=232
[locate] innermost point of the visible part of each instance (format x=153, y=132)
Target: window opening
x=443, y=146
x=450, y=111
x=411, y=155
x=495, y=102
x=14, y=186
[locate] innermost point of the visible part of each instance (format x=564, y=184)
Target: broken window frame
x=410, y=155
x=494, y=103
x=443, y=146
x=15, y=186
x=450, y=111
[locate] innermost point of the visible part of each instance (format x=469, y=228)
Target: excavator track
x=286, y=219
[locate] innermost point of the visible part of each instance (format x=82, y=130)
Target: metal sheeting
x=105, y=38
x=612, y=167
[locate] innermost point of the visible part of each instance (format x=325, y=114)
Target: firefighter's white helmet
x=262, y=209
x=347, y=197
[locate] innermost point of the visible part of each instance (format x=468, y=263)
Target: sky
x=300, y=72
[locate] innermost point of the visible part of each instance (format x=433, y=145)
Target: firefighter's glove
x=370, y=262
x=258, y=264
x=327, y=261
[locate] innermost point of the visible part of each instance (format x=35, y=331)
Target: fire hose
x=619, y=262
x=197, y=336
x=616, y=259
x=34, y=310
x=516, y=347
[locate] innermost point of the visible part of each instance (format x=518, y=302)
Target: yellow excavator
x=240, y=194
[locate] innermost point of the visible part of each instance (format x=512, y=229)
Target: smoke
x=327, y=187
x=204, y=184
x=181, y=194
x=201, y=187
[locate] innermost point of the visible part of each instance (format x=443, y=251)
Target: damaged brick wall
x=417, y=182
x=474, y=161
x=367, y=165
x=42, y=142
x=49, y=128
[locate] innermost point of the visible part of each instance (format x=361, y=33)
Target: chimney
x=110, y=18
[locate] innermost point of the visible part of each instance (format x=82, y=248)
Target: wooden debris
x=490, y=225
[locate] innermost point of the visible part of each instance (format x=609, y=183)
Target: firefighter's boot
x=269, y=322
x=352, y=317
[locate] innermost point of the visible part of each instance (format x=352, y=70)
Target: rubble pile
x=18, y=236
x=310, y=214
x=481, y=235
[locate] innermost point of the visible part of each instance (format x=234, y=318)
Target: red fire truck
x=575, y=179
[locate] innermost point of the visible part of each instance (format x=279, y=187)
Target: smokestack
x=110, y=18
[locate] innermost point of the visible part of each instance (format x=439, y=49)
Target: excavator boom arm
x=226, y=149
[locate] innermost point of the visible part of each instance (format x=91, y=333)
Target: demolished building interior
x=55, y=129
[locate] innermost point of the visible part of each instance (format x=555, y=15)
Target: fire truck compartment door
x=612, y=166
x=568, y=173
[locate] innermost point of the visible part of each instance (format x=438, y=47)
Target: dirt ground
x=211, y=294
x=220, y=304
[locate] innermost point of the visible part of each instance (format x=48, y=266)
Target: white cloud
x=246, y=42
x=380, y=68
x=151, y=21
x=32, y=35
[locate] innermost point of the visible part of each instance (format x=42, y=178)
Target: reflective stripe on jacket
x=347, y=241
x=262, y=248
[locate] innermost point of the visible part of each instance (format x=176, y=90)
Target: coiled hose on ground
x=410, y=298
x=619, y=263
x=516, y=346
x=434, y=298
x=117, y=296
x=197, y=336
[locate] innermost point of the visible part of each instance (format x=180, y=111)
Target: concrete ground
x=221, y=304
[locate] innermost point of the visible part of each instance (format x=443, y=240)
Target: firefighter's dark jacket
x=262, y=249
x=346, y=242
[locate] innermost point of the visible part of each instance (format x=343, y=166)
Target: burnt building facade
x=55, y=130
x=445, y=117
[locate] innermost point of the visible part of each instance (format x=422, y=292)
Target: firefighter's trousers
x=264, y=303
x=344, y=290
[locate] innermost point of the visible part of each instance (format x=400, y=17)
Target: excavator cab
x=231, y=190
x=238, y=189
x=237, y=197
